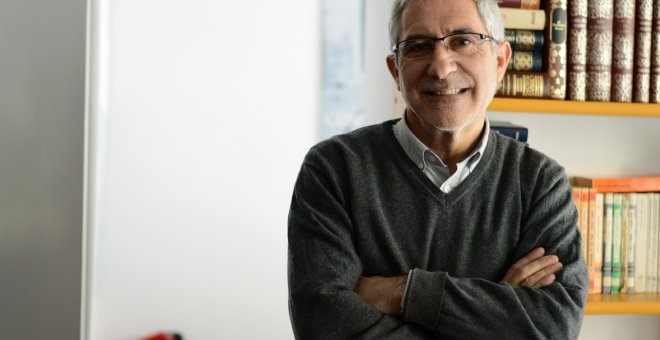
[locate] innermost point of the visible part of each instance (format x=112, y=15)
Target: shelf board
x=572, y=107
x=623, y=304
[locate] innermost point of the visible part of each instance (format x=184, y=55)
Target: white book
x=652, y=251
x=630, y=242
x=641, y=244
x=656, y=243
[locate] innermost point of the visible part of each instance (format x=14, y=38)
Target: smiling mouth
x=447, y=92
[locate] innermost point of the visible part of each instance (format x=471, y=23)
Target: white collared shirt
x=432, y=166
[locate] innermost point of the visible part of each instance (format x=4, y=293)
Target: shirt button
x=446, y=189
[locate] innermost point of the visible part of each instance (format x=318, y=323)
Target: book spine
x=631, y=184
x=625, y=206
x=652, y=253
x=642, y=64
x=599, y=47
x=584, y=222
x=623, y=48
x=524, y=40
x=654, y=86
x=524, y=4
x=617, y=213
x=523, y=18
x=607, y=243
x=577, y=50
x=556, y=48
x=519, y=134
x=631, y=242
x=526, y=61
x=641, y=244
x=655, y=257
x=523, y=84
x=598, y=242
x=591, y=238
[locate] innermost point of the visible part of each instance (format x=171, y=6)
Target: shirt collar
x=415, y=149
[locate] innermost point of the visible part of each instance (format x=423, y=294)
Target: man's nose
x=443, y=61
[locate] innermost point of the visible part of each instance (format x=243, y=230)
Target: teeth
x=447, y=92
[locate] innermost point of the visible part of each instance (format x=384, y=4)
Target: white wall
x=200, y=115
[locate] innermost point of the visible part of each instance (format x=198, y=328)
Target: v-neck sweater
x=361, y=207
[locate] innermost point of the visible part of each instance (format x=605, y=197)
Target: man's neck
x=451, y=146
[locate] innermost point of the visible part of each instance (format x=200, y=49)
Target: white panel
x=199, y=125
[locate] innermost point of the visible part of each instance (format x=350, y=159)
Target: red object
x=163, y=336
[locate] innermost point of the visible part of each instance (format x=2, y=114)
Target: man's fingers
x=512, y=276
x=536, y=279
x=549, y=279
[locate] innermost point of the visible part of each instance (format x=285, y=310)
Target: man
x=432, y=225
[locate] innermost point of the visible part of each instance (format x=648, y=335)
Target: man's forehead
x=446, y=16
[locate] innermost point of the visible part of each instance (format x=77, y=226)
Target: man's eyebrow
x=454, y=31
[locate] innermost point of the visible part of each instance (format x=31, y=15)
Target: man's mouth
x=447, y=92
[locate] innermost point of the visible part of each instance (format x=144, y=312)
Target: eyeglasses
x=463, y=44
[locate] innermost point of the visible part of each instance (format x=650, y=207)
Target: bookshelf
x=597, y=304
x=572, y=107
x=623, y=304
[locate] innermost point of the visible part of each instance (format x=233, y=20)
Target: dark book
x=508, y=129
x=524, y=40
x=527, y=61
x=524, y=84
x=623, y=48
x=654, y=86
x=577, y=51
x=523, y=4
x=642, y=64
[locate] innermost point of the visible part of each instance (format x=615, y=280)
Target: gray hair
x=488, y=9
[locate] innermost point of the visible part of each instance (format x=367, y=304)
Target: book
x=617, y=223
x=509, y=129
x=584, y=222
x=642, y=64
x=629, y=237
x=654, y=81
x=524, y=4
x=623, y=48
x=551, y=83
x=619, y=184
x=641, y=244
x=577, y=51
x=654, y=236
x=524, y=84
x=531, y=19
x=577, y=200
x=595, y=249
x=599, y=49
x=524, y=40
x=607, y=243
x=528, y=61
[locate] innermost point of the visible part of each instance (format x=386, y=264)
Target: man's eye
x=420, y=47
x=461, y=42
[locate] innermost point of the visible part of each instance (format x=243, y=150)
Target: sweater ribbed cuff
x=423, y=300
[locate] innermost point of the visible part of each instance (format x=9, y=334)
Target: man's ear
x=394, y=71
x=503, y=56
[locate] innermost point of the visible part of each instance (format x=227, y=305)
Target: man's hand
x=383, y=293
x=533, y=270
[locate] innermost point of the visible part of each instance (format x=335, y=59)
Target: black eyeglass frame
x=482, y=36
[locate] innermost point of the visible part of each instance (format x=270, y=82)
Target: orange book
x=619, y=184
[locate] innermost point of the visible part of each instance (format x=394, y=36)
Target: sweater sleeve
x=474, y=308
x=323, y=268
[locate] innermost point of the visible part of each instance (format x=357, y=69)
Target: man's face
x=447, y=90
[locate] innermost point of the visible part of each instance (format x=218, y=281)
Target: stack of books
x=537, y=35
x=620, y=227
x=509, y=129
x=614, y=51
x=593, y=50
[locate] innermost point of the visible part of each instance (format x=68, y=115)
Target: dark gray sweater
x=361, y=207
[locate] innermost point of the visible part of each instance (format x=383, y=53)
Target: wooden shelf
x=571, y=107
x=623, y=304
